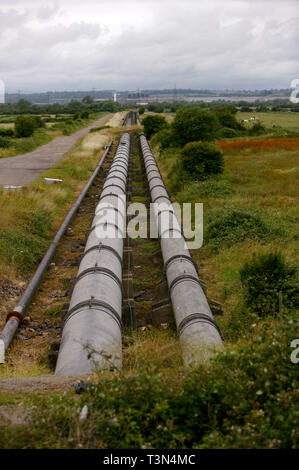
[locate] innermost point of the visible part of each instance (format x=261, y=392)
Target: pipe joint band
x=179, y=257
x=183, y=277
x=101, y=247
x=198, y=318
x=99, y=270
x=97, y=305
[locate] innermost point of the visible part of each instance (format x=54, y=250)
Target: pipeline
x=14, y=318
x=128, y=121
x=92, y=327
x=198, y=332
x=137, y=120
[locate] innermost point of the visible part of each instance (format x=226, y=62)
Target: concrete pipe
x=15, y=317
x=91, y=338
x=198, y=332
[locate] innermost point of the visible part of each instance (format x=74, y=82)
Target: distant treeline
x=245, y=106
x=74, y=106
x=50, y=97
x=87, y=103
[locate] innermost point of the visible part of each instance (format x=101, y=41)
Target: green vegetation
x=31, y=132
x=246, y=398
x=266, y=277
x=247, y=395
x=283, y=120
x=26, y=125
x=201, y=159
x=73, y=107
x=192, y=124
x=29, y=216
x=153, y=124
x=233, y=226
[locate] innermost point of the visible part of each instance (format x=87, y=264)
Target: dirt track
x=23, y=169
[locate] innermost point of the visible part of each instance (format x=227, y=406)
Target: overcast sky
x=126, y=44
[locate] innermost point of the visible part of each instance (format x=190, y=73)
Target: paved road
x=23, y=169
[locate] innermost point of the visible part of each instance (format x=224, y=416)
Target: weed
x=265, y=277
x=233, y=226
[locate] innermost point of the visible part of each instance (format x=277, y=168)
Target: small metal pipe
x=15, y=317
x=198, y=332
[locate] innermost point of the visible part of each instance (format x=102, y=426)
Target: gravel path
x=23, y=169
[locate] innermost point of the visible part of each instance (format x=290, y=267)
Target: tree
x=227, y=118
x=23, y=106
x=87, y=99
x=26, y=125
x=153, y=124
x=193, y=124
x=201, y=159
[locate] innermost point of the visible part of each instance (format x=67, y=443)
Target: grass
x=30, y=217
x=260, y=184
x=286, y=120
x=18, y=146
x=247, y=396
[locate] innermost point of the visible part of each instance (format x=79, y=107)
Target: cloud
x=124, y=45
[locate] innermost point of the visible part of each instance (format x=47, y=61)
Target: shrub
x=153, y=124
x=235, y=226
x=26, y=125
x=257, y=129
x=141, y=110
x=164, y=138
x=201, y=159
x=212, y=187
x=228, y=119
x=85, y=114
x=4, y=143
x=6, y=132
x=156, y=107
x=263, y=278
x=193, y=124
x=247, y=398
x=229, y=133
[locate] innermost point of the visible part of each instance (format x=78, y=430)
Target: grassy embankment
x=54, y=127
x=248, y=395
x=30, y=217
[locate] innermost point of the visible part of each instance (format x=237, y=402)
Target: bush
x=201, y=159
x=228, y=133
x=153, y=124
x=193, y=124
x=228, y=119
x=212, y=187
x=247, y=398
x=164, y=138
x=4, y=143
x=84, y=114
x=257, y=129
x=141, y=110
x=235, y=226
x=263, y=278
x=156, y=107
x=6, y=132
x=26, y=125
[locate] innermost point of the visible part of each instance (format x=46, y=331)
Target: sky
x=129, y=44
